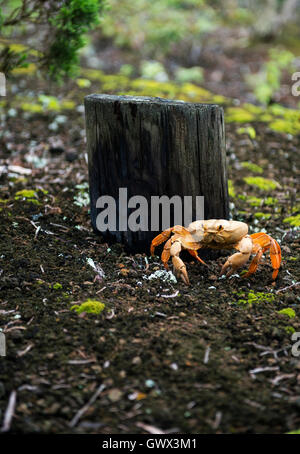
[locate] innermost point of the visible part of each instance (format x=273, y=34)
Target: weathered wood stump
x=154, y=147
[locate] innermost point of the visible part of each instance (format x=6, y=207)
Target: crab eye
x=220, y=227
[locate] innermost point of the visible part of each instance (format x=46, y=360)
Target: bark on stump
x=155, y=147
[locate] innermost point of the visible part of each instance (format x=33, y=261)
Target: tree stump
x=154, y=147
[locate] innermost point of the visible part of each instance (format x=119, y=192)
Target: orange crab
x=217, y=234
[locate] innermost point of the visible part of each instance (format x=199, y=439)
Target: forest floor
x=214, y=357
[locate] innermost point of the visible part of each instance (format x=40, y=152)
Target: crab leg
x=163, y=236
x=238, y=259
x=261, y=243
x=166, y=253
x=194, y=254
x=179, y=266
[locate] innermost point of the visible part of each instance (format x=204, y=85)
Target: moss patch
x=90, y=306
x=288, y=311
x=249, y=130
x=293, y=220
x=260, y=215
x=255, y=298
x=231, y=190
x=261, y=183
x=252, y=167
x=28, y=195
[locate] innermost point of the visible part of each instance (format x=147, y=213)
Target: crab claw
x=180, y=269
x=237, y=260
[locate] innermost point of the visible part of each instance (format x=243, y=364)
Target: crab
x=217, y=234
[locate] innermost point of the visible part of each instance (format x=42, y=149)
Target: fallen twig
x=81, y=361
x=286, y=288
x=13, y=328
x=170, y=296
x=26, y=350
x=206, y=355
x=150, y=429
x=269, y=350
x=277, y=379
x=9, y=412
x=86, y=406
x=16, y=169
x=258, y=370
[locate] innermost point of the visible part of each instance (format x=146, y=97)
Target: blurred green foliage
x=155, y=27
x=267, y=81
x=59, y=26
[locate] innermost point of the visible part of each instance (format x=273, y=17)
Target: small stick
x=9, y=413
x=286, y=288
x=206, y=356
x=86, y=406
x=26, y=350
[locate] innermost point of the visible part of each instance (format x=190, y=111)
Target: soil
x=171, y=357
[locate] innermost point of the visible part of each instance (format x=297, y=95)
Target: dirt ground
x=207, y=358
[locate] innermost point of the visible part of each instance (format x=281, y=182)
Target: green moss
x=120, y=84
x=83, y=83
x=288, y=311
x=295, y=208
x=28, y=70
x=194, y=74
x=285, y=126
x=90, y=306
x=266, y=118
x=49, y=102
x=249, y=130
x=255, y=201
x=262, y=183
x=252, y=167
x=269, y=201
x=26, y=193
x=256, y=110
x=57, y=286
x=239, y=115
x=280, y=118
x=231, y=190
x=31, y=107
x=43, y=103
x=260, y=201
x=255, y=298
x=290, y=329
x=219, y=99
x=262, y=215
x=29, y=195
x=293, y=220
